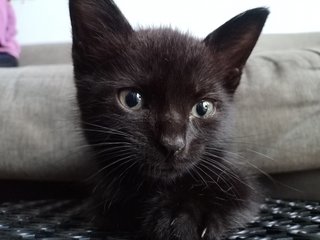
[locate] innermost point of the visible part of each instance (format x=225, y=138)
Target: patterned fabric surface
x=61, y=219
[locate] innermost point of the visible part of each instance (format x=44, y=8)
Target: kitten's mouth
x=170, y=171
x=165, y=174
x=168, y=167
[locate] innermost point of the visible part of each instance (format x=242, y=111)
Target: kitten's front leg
x=166, y=221
x=195, y=214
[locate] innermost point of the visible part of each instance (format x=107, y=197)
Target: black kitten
x=156, y=108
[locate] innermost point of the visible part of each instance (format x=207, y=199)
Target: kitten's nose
x=173, y=144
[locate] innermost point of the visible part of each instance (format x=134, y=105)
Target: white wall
x=44, y=21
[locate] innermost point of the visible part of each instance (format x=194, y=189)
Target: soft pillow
x=278, y=110
x=39, y=135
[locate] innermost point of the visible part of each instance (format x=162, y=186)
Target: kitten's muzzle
x=173, y=145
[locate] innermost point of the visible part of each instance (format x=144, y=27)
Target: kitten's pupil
x=202, y=108
x=133, y=99
x=130, y=99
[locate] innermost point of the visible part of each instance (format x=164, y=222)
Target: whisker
x=229, y=184
x=123, y=174
x=105, y=144
x=218, y=175
x=118, y=167
x=250, y=163
x=203, y=180
x=108, y=166
x=251, y=144
x=189, y=171
x=106, y=131
x=231, y=173
x=103, y=127
x=261, y=154
x=103, y=156
x=217, y=184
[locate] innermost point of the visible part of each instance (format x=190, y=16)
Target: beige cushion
x=278, y=104
x=45, y=54
x=271, y=42
x=39, y=135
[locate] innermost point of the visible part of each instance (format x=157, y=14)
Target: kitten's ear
x=99, y=29
x=232, y=43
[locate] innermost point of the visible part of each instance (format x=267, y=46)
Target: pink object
x=8, y=43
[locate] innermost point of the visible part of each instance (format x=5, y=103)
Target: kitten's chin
x=170, y=172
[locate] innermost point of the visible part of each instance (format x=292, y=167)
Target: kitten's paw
x=183, y=226
x=162, y=224
x=188, y=228
x=209, y=233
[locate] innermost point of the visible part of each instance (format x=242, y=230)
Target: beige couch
x=277, y=129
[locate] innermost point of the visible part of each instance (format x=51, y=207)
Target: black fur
x=144, y=186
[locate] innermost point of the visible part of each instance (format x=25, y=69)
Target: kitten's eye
x=130, y=99
x=203, y=109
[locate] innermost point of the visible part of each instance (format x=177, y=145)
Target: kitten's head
x=156, y=100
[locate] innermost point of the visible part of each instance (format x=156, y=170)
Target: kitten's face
x=167, y=97
x=155, y=100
